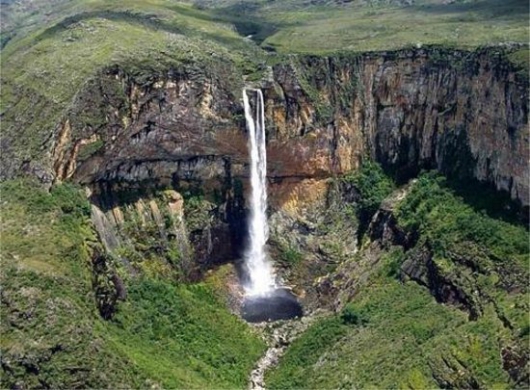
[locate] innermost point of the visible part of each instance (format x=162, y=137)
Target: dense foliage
x=52, y=334
x=197, y=343
x=446, y=222
x=372, y=185
x=305, y=353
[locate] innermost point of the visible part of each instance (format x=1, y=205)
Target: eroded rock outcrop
x=192, y=234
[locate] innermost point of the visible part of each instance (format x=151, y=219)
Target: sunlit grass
x=386, y=27
x=394, y=334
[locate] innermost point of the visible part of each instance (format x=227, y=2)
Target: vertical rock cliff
x=463, y=113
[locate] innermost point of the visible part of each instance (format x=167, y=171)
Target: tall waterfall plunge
x=264, y=300
x=260, y=271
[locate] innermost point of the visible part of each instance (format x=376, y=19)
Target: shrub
x=290, y=256
x=373, y=186
x=351, y=316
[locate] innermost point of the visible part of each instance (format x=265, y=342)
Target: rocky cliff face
x=464, y=113
x=164, y=160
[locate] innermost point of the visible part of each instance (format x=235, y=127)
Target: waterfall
x=260, y=272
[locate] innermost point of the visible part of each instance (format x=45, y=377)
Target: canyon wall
x=463, y=113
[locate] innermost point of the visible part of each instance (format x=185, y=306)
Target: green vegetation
x=400, y=328
x=373, y=185
x=20, y=16
x=521, y=59
x=182, y=337
x=54, y=50
x=149, y=252
x=166, y=333
x=448, y=224
x=395, y=334
x=42, y=231
x=150, y=233
x=290, y=256
x=305, y=353
x=89, y=149
x=326, y=26
x=197, y=212
x=52, y=336
x=44, y=70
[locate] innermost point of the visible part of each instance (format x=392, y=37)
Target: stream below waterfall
x=278, y=336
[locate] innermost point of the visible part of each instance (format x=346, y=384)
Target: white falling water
x=260, y=272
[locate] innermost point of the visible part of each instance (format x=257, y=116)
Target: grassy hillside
x=400, y=338
x=394, y=333
x=312, y=26
x=164, y=334
x=327, y=25
x=171, y=335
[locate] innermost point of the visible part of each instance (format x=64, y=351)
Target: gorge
x=188, y=190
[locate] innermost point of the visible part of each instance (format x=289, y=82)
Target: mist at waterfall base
x=264, y=299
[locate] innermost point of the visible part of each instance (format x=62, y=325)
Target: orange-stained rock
x=294, y=195
x=464, y=113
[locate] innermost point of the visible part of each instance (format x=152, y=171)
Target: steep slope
x=437, y=296
x=463, y=113
x=181, y=130
x=54, y=280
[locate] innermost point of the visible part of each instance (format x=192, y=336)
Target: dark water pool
x=280, y=304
